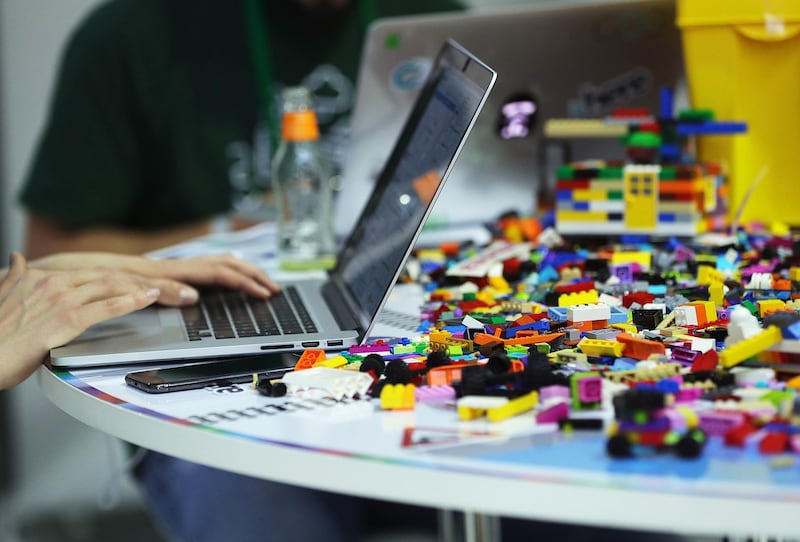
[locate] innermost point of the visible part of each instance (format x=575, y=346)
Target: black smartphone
x=217, y=372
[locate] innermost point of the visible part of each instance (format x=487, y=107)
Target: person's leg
x=519, y=530
x=194, y=503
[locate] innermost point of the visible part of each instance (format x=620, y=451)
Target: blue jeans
x=195, y=503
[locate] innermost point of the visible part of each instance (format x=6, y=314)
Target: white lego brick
x=588, y=313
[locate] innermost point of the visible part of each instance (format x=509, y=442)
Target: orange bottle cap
x=299, y=126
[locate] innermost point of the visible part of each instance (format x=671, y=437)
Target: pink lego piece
x=552, y=414
x=550, y=392
x=590, y=389
x=434, y=393
x=371, y=348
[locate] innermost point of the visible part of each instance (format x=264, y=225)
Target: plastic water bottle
x=301, y=176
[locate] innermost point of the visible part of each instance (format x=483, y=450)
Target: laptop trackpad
x=145, y=323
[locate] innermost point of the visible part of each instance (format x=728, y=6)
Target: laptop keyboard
x=227, y=314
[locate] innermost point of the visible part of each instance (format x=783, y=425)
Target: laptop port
x=335, y=343
x=278, y=347
x=309, y=344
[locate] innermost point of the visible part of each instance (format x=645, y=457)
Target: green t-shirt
x=154, y=120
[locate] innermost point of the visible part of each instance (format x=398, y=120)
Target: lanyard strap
x=263, y=62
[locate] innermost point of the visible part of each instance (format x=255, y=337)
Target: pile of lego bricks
x=670, y=344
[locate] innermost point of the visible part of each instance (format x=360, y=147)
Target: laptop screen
x=373, y=255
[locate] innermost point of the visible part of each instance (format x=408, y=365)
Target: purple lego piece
x=623, y=271
x=660, y=423
x=723, y=314
x=683, y=254
x=717, y=423
x=683, y=355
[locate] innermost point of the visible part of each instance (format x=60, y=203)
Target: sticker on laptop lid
x=411, y=74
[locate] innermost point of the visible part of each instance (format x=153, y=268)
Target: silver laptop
x=555, y=59
x=337, y=312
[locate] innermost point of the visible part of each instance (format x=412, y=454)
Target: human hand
x=173, y=276
x=40, y=310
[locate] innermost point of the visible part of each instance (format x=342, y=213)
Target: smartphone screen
x=220, y=371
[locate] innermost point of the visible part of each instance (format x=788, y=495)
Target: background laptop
x=566, y=59
x=340, y=310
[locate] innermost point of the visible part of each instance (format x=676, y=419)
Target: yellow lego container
x=742, y=59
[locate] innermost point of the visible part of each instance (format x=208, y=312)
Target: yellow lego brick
x=749, y=347
x=581, y=194
x=333, y=363
x=439, y=335
x=600, y=347
x=589, y=297
x=570, y=128
x=716, y=293
x=513, y=407
x=769, y=305
x=708, y=275
x=779, y=229
x=794, y=274
x=499, y=283
x=642, y=257
x=473, y=407
x=627, y=328
x=581, y=216
x=398, y=397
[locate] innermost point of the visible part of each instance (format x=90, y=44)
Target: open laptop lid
x=374, y=254
x=575, y=59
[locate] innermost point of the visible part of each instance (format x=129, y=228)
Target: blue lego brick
x=455, y=330
x=572, y=205
x=624, y=364
x=548, y=274
x=633, y=239
x=667, y=217
x=657, y=289
x=665, y=103
x=564, y=195
x=712, y=128
x=557, y=314
x=619, y=315
x=792, y=331
x=670, y=152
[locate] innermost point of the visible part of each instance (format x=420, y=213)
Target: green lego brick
x=565, y=172
x=610, y=172
x=667, y=173
x=696, y=115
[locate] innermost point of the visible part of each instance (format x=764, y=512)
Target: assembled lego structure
x=659, y=190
